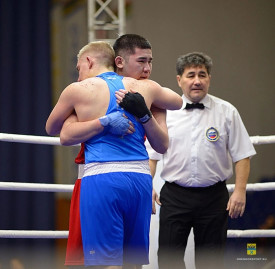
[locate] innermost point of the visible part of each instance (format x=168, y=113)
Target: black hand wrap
x=135, y=104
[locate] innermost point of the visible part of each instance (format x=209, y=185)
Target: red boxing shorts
x=74, y=252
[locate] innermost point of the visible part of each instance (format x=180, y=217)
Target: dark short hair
x=126, y=44
x=193, y=59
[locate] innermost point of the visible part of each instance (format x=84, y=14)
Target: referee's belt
x=218, y=184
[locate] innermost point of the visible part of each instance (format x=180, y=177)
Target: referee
x=206, y=137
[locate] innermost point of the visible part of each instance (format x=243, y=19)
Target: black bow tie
x=196, y=105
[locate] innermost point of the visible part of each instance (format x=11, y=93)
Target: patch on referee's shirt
x=212, y=134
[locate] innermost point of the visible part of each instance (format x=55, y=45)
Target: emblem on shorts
x=212, y=134
x=92, y=251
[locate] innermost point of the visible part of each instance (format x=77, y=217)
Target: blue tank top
x=106, y=147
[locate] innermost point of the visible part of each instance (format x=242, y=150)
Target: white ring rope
x=33, y=234
x=250, y=233
x=64, y=234
x=31, y=139
x=47, y=140
x=258, y=140
x=266, y=186
x=18, y=186
x=45, y=187
x=42, y=187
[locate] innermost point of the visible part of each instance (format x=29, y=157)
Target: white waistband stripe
x=108, y=167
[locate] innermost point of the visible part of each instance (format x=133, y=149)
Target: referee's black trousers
x=204, y=209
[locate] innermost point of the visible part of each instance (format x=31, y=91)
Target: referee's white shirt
x=203, y=143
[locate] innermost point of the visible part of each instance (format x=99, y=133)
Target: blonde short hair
x=101, y=50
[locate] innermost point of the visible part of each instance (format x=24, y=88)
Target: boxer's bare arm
x=156, y=130
x=74, y=132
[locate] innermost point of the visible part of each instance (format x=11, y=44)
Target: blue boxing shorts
x=115, y=213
